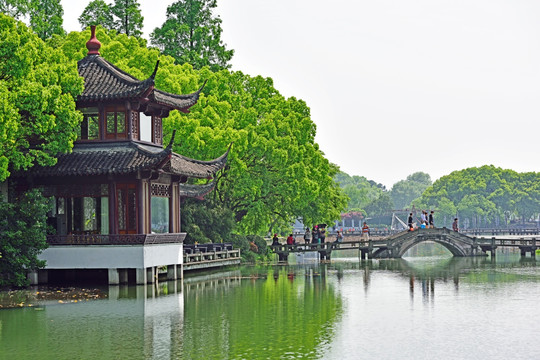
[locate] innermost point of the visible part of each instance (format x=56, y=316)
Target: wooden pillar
x=171, y=209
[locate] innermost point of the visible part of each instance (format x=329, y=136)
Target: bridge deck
x=396, y=244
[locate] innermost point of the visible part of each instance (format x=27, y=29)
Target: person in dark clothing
x=410, y=222
x=275, y=240
x=431, y=225
x=315, y=234
x=455, y=225
x=322, y=234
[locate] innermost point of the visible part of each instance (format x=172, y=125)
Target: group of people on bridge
x=317, y=235
x=426, y=221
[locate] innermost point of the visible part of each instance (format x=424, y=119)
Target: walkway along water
x=395, y=246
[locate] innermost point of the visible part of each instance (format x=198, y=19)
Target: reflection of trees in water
x=281, y=309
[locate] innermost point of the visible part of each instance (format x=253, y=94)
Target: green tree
x=405, y=191
x=14, y=8
x=22, y=237
x=97, y=12
x=129, y=19
x=46, y=18
x=191, y=34
x=38, y=85
x=487, y=195
x=275, y=171
x=206, y=222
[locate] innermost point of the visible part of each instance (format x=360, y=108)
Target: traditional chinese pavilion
x=117, y=196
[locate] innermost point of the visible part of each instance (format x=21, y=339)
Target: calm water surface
x=421, y=308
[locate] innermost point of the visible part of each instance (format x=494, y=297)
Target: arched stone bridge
x=396, y=246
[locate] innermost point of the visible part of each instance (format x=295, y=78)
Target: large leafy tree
x=22, y=237
x=275, y=171
x=191, y=34
x=405, y=191
x=128, y=17
x=38, y=85
x=97, y=12
x=484, y=196
x=46, y=17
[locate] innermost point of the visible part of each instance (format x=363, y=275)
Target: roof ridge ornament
x=153, y=76
x=93, y=45
x=169, y=147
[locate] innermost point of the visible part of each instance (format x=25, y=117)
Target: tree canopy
x=405, y=191
x=38, y=85
x=46, y=17
x=275, y=170
x=97, y=12
x=128, y=17
x=484, y=196
x=191, y=34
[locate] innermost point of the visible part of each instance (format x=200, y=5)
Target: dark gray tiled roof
x=196, y=191
x=196, y=168
x=126, y=158
x=104, y=81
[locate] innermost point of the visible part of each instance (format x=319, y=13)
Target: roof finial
x=93, y=44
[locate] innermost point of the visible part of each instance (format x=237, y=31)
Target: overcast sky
x=394, y=86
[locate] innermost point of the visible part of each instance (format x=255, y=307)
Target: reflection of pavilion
x=116, y=197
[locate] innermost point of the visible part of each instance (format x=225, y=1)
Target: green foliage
x=486, y=195
x=275, y=171
x=46, y=18
x=97, y=12
x=365, y=195
x=128, y=17
x=248, y=252
x=22, y=237
x=191, y=34
x=14, y=8
x=206, y=222
x=38, y=85
x=405, y=191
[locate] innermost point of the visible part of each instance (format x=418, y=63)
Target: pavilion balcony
x=116, y=239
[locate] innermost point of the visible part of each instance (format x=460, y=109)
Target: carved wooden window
x=158, y=131
x=116, y=125
x=126, y=199
x=135, y=125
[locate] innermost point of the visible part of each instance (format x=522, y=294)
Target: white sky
x=394, y=86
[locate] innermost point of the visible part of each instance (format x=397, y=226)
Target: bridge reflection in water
x=396, y=245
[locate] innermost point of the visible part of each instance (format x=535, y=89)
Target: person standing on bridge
x=455, y=225
x=410, y=222
x=431, y=224
x=307, y=236
x=339, y=237
x=315, y=234
x=275, y=240
x=365, y=232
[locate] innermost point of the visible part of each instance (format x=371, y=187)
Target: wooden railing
x=209, y=256
x=116, y=239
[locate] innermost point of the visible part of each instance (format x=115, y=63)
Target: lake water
x=415, y=308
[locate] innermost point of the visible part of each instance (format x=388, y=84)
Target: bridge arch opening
x=427, y=249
